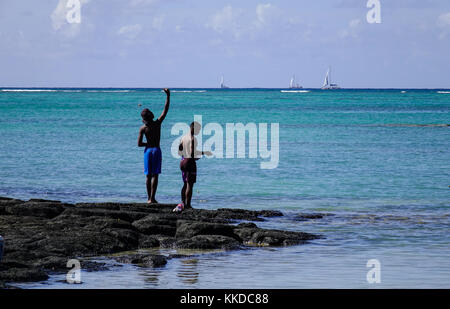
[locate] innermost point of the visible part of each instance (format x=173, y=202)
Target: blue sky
x=191, y=43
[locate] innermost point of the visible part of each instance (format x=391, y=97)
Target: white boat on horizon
x=293, y=84
x=222, y=84
x=327, y=84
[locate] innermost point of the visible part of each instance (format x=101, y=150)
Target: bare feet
x=152, y=202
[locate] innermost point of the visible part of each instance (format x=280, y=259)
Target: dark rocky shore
x=42, y=235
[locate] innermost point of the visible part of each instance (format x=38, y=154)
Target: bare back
x=152, y=132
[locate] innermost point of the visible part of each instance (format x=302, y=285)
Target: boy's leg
x=189, y=190
x=183, y=193
x=154, y=186
x=149, y=187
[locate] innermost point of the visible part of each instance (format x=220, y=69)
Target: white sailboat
x=222, y=85
x=327, y=82
x=293, y=85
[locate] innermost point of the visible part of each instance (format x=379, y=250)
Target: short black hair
x=195, y=126
x=146, y=114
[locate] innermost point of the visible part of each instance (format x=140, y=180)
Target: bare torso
x=152, y=132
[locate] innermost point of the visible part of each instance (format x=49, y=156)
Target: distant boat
x=222, y=85
x=293, y=85
x=327, y=82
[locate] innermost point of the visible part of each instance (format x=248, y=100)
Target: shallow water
x=362, y=155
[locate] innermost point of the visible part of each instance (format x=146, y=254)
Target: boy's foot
x=152, y=202
x=179, y=208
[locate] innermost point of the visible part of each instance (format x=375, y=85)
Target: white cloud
x=352, y=30
x=158, y=22
x=444, y=20
x=354, y=23
x=130, y=31
x=264, y=12
x=143, y=2
x=444, y=23
x=59, y=19
x=227, y=20
x=59, y=15
x=243, y=23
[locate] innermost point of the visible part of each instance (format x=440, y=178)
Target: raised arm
x=166, y=106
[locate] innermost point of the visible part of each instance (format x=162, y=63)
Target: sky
x=252, y=43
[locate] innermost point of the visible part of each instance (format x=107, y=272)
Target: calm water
x=362, y=155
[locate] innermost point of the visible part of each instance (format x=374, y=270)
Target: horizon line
x=225, y=89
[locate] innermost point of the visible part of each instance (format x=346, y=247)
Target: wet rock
x=148, y=241
x=52, y=263
x=247, y=224
x=180, y=256
x=104, y=223
x=113, y=214
x=311, y=216
x=143, y=260
x=152, y=224
x=89, y=266
x=35, y=209
x=15, y=272
x=42, y=235
x=165, y=241
x=208, y=242
x=129, y=237
x=188, y=229
x=261, y=237
x=249, y=215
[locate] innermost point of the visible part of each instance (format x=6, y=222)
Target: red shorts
x=188, y=169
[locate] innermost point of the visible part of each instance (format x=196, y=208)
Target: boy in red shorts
x=188, y=166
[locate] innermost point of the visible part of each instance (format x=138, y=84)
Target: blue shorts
x=152, y=161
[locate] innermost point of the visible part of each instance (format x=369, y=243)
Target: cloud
x=352, y=30
x=242, y=23
x=59, y=19
x=444, y=23
x=444, y=20
x=130, y=31
x=143, y=2
x=158, y=22
x=265, y=12
x=261, y=12
x=227, y=20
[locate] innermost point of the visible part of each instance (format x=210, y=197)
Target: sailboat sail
x=222, y=84
x=326, y=82
x=293, y=84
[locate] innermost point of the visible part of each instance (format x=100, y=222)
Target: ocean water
x=378, y=161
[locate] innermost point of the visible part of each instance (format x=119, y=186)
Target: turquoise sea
x=377, y=160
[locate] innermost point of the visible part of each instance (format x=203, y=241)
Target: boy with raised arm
x=152, y=153
x=189, y=154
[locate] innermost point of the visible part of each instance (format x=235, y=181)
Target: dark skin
x=152, y=132
x=188, y=187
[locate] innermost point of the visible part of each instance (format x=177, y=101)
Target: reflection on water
x=187, y=271
x=151, y=276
